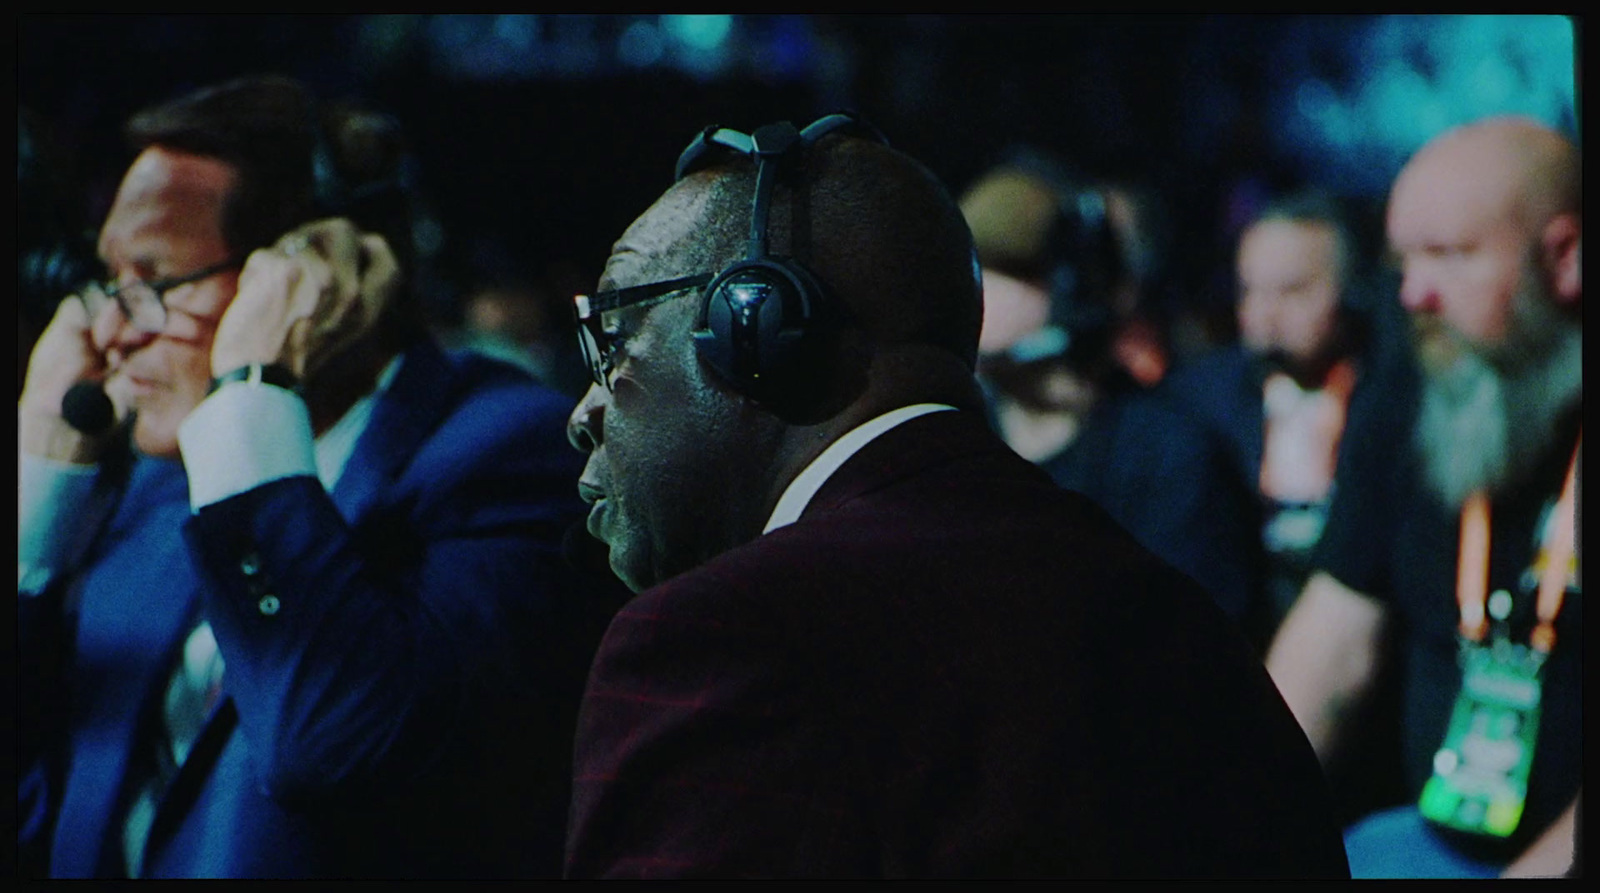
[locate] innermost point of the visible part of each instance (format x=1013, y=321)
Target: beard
x=1488, y=413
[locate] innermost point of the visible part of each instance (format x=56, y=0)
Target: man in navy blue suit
x=316, y=621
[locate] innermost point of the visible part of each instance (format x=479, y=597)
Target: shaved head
x=683, y=465
x=1475, y=206
x=1511, y=166
x=875, y=226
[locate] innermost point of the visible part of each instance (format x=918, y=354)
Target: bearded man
x=1456, y=544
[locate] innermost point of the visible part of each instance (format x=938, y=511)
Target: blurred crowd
x=348, y=624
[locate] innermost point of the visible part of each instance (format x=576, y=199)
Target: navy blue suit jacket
x=402, y=709
x=1222, y=391
x=1164, y=477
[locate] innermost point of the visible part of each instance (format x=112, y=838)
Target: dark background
x=536, y=139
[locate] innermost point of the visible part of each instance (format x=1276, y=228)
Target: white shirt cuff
x=243, y=436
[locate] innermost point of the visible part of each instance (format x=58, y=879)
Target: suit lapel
x=1253, y=423
x=403, y=417
x=141, y=595
x=180, y=794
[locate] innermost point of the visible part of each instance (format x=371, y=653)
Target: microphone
x=87, y=408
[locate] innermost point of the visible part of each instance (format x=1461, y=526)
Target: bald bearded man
x=1459, y=539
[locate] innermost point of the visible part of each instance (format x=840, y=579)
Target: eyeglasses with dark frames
x=143, y=302
x=599, y=346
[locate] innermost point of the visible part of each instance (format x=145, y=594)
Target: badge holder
x=1480, y=774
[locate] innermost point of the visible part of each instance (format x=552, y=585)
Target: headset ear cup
x=753, y=322
x=765, y=323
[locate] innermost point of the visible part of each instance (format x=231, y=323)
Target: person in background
x=55, y=245
x=1074, y=379
x=1277, y=400
x=517, y=320
x=1149, y=342
x=291, y=596
x=869, y=639
x=1279, y=396
x=1453, y=526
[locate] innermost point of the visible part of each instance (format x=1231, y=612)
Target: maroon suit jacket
x=947, y=667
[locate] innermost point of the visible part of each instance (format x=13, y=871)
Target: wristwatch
x=258, y=373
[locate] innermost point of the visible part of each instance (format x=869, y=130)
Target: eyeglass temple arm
x=592, y=305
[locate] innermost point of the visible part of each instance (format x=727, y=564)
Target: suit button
x=250, y=564
x=268, y=605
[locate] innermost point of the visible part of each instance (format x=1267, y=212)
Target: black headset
x=758, y=315
x=335, y=195
x=1081, y=262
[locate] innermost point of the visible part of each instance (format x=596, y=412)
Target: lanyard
x=1556, y=548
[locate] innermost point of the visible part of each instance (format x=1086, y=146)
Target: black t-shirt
x=1389, y=537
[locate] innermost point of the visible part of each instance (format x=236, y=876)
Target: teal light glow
x=640, y=45
x=704, y=32
x=1406, y=78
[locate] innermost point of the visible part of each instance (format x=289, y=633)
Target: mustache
x=1535, y=331
x=1438, y=346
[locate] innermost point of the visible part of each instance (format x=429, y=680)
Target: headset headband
x=767, y=144
x=714, y=138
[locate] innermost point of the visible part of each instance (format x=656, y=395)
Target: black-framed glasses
x=143, y=302
x=598, y=345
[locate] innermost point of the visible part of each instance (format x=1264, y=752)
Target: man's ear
x=1562, y=246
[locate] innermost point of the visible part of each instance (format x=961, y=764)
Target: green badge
x=1480, y=774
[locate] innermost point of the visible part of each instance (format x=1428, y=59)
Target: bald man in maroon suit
x=869, y=640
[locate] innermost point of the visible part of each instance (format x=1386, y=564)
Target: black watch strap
x=258, y=373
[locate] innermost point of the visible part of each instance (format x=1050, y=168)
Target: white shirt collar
x=798, y=494
x=334, y=448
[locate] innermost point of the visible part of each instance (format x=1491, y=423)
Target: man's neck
x=900, y=376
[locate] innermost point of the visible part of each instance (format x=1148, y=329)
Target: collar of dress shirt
x=334, y=447
x=798, y=494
